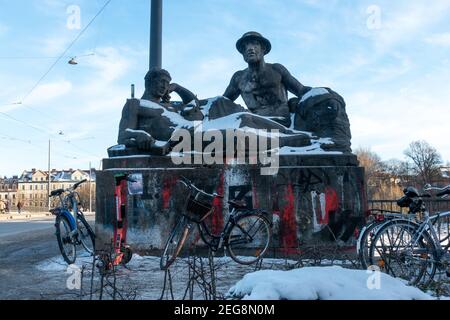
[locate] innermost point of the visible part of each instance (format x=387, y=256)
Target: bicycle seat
x=239, y=204
x=56, y=193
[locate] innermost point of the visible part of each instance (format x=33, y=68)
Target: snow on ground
x=143, y=277
x=323, y=283
x=58, y=264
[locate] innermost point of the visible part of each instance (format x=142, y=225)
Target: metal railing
x=434, y=206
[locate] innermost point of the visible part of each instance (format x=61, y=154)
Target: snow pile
x=313, y=93
x=323, y=283
x=58, y=264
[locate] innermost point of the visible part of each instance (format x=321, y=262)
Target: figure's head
x=253, y=46
x=157, y=82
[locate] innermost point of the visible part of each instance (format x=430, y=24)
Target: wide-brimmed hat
x=252, y=35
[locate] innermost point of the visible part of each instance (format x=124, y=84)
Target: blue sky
x=394, y=73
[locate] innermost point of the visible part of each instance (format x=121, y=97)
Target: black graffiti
x=243, y=192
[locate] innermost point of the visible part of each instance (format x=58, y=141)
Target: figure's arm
x=233, y=92
x=291, y=83
x=129, y=120
x=128, y=135
x=185, y=95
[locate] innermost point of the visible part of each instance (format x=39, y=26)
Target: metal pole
x=49, y=176
x=90, y=187
x=156, y=34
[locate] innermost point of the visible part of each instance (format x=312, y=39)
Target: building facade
x=32, y=187
x=8, y=193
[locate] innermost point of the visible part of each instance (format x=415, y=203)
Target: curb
x=29, y=216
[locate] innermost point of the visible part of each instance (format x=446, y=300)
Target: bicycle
x=246, y=235
x=378, y=217
x=72, y=229
x=412, y=249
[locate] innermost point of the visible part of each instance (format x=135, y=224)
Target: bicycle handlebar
x=76, y=185
x=188, y=183
x=57, y=192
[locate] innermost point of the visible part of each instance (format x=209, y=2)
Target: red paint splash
x=217, y=217
x=289, y=240
x=168, y=184
x=331, y=204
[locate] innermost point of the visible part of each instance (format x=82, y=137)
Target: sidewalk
x=31, y=215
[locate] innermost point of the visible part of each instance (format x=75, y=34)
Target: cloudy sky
x=390, y=59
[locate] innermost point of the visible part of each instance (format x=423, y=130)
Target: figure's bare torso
x=263, y=92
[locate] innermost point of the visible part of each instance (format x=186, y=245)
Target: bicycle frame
x=203, y=228
x=64, y=211
x=428, y=226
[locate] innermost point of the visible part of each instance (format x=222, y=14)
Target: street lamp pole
x=90, y=187
x=49, y=176
x=156, y=34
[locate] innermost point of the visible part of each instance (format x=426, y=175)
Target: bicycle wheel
x=85, y=235
x=365, y=241
x=399, y=251
x=175, y=243
x=249, y=238
x=66, y=245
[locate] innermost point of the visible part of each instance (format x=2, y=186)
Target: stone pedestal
x=318, y=197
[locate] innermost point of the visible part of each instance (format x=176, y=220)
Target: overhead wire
x=66, y=50
x=45, y=75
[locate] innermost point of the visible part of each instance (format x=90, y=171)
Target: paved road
x=8, y=228
x=23, y=245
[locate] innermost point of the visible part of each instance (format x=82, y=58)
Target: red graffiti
x=168, y=184
x=331, y=203
x=289, y=240
x=217, y=217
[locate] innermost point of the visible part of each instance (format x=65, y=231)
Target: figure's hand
x=144, y=141
x=173, y=87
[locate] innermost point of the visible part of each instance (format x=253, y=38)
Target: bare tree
x=426, y=160
x=373, y=167
x=401, y=171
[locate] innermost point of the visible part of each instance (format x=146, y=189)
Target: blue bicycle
x=72, y=229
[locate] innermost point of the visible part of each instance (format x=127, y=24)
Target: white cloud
x=54, y=45
x=441, y=39
x=403, y=23
x=49, y=91
x=388, y=121
x=109, y=64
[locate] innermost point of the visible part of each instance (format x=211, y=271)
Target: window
x=31, y=187
x=14, y=197
x=23, y=187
